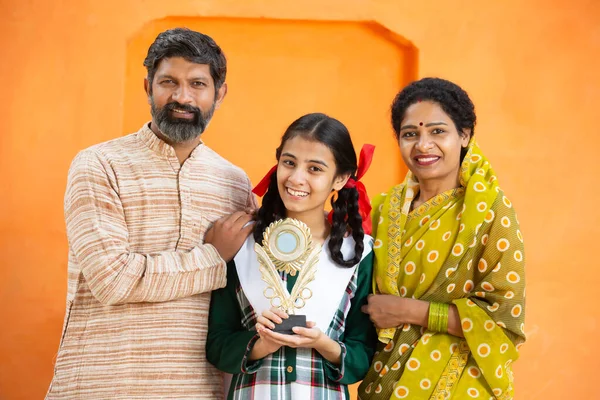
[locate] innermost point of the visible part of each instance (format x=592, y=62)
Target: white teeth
x=180, y=111
x=296, y=193
x=425, y=160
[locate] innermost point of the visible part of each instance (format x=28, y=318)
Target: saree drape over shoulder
x=462, y=247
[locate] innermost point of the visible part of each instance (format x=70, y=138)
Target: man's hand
x=229, y=233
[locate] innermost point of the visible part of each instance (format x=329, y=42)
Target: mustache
x=184, y=107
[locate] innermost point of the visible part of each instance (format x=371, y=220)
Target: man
x=137, y=209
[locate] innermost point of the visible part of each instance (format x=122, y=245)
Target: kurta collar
x=159, y=146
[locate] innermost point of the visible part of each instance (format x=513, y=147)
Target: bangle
x=438, y=317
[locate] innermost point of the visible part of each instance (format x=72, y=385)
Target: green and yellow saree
x=462, y=247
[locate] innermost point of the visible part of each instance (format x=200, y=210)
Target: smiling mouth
x=426, y=160
x=183, y=113
x=296, y=193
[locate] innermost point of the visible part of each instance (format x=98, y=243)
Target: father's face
x=183, y=98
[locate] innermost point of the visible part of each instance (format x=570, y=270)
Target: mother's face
x=430, y=143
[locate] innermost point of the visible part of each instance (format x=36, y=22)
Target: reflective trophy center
x=286, y=242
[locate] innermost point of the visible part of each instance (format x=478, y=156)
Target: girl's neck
x=316, y=222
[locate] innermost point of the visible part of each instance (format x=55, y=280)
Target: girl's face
x=306, y=176
x=430, y=143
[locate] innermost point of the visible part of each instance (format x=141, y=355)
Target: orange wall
x=72, y=77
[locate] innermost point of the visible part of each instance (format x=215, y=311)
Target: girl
x=316, y=157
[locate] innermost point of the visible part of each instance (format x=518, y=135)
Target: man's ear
x=148, y=90
x=221, y=93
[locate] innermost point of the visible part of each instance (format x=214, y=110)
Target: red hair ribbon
x=263, y=185
x=364, y=204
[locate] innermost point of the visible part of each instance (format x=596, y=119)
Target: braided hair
x=346, y=218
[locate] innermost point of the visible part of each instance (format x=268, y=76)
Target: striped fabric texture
x=139, y=277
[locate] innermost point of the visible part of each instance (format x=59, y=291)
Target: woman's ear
x=465, y=137
x=340, y=181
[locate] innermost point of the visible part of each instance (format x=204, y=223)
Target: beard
x=180, y=130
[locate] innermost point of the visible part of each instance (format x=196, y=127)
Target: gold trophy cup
x=287, y=246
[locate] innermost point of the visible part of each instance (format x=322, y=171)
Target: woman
x=316, y=157
x=449, y=262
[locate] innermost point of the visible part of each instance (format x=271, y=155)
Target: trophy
x=287, y=246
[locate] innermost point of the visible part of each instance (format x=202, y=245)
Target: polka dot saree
x=462, y=247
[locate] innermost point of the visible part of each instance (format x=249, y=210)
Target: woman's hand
x=389, y=311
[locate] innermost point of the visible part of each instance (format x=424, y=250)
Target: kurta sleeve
x=251, y=202
x=360, y=338
x=99, y=239
x=229, y=344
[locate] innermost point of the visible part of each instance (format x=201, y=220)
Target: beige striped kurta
x=139, y=275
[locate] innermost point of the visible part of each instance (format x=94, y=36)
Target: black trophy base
x=286, y=326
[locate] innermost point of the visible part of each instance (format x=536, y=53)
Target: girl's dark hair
x=452, y=99
x=333, y=134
